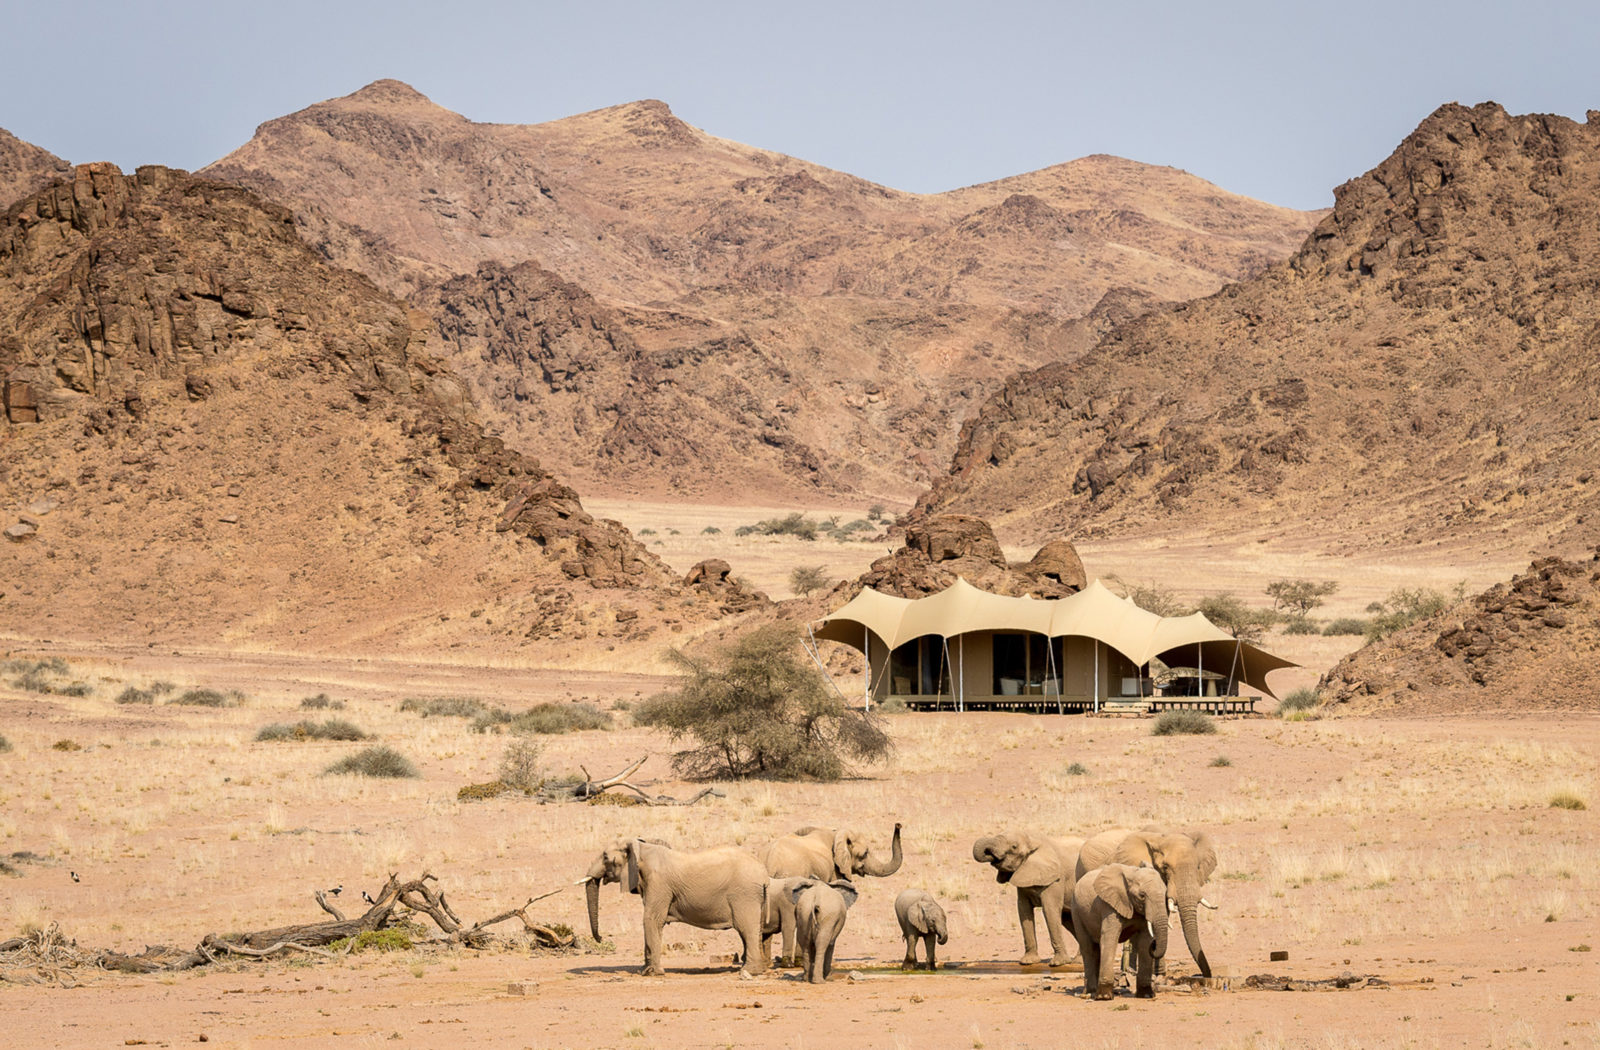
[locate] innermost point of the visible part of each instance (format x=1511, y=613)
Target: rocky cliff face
x=25, y=168
x=829, y=334
x=234, y=439
x=1529, y=644
x=1423, y=366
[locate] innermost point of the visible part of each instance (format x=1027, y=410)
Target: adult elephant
x=1040, y=869
x=1185, y=860
x=714, y=889
x=827, y=855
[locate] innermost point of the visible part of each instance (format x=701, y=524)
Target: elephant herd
x=1117, y=886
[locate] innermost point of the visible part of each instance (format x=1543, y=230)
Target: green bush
x=1245, y=622
x=1346, y=625
x=44, y=676
x=389, y=940
x=1299, y=700
x=762, y=710
x=320, y=702
x=1300, y=625
x=710, y=530
x=1076, y=769
x=1404, y=607
x=559, y=718
x=1175, y=723
x=1221, y=762
x=378, y=761
x=448, y=706
x=794, y=524
x=332, y=729
x=135, y=695
x=803, y=579
x=5, y=745
x=208, y=698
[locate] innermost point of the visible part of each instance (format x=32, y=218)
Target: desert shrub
x=803, y=579
x=1220, y=762
x=1300, y=625
x=66, y=745
x=479, y=792
x=647, y=532
x=1245, y=622
x=134, y=695
x=710, y=530
x=391, y=939
x=45, y=676
x=1076, y=769
x=491, y=720
x=793, y=524
x=5, y=745
x=1568, y=800
x=1346, y=625
x=1403, y=607
x=519, y=764
x=559, y=718
x=1300, y=700
x=892, y=705
x=208, y=698
x=875, y=512
x=332, y=729
x=447, y=706
x=762, y=710
x=1176, y=723
x=377, y=761
x=320, y=702
x=745, y=530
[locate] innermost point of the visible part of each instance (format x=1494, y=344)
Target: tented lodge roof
x=1094, y=612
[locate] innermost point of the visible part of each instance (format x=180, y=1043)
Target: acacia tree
x=762, y=710
x=1298, y=597
x=1244, y=622
x=803, y=579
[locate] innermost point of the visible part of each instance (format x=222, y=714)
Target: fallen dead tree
x=592, y=788
x=589, y=790
x=46, y=949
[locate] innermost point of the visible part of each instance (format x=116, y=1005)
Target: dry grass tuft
x=379, y=761
x=1568, y=799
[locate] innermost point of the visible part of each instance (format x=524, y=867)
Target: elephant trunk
x=941, y=929
x=879, y=869
x=1158, y=928
x=1188, y=914
x=592, y=891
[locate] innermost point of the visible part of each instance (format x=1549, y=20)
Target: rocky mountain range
x=1421, y=372
x=212, y=434
x=25, y=168
x=668, y=313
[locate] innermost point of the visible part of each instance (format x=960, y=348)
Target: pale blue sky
x=1278, y=100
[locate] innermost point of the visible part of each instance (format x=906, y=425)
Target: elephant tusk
x=583, y=880
x=1172, y=906
x=1151, y=927
x=1208, y=904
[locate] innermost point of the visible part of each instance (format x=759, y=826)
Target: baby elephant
x=920, y=916
x=819, y=910
x=1113, y=904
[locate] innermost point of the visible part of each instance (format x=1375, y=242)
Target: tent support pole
x=1097, y=676
x=1238, y=651
x=961, y=672
x=866, y=670
x=948, y=667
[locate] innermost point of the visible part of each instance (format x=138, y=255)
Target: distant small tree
x=1297, y=598
x=804, y=579
x=1151, y=596
x=762, y=711
x=875, y=512
x=1404, y=607
x=1245, y=622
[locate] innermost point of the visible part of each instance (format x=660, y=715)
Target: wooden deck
x=1077, y=705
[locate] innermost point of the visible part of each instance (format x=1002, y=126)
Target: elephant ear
x=633, y=866
x=847, y=890
x=795, y=887
x=1136, y=849
x=1043, y=867
x=1205, y=855
x=842, y=861
x=1111, y=886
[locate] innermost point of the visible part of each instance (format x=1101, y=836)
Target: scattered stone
x=42, y=506
x=20, y=531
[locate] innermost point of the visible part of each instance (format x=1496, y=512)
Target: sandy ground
x=1422, y=852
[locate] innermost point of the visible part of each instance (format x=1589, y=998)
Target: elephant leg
x=1051, y=900
x=747, y=921
x=1090, y=951
x=655, y=917
x=1030, y=942
x=910, y=961
x=1144, y=986
x=827, y=961
x=791, y=954
x=1110, y=933
x=930, y=940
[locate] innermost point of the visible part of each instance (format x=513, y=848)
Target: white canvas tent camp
x=967, y=648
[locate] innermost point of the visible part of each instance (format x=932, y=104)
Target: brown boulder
x=1057, y=560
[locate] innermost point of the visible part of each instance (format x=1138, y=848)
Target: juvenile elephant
x=1116, y=903
x=1185, y=860
x=819, y=912
x=1040, y=868
x=778, y=915
x=827, y=855
x=920, y=917
x=714, y=889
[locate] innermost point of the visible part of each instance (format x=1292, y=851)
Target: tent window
x=917, y=668
x=1125, y=680
x=1010, y=664
x=903, y=669
x=935, y=678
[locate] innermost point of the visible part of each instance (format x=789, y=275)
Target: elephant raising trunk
x=878, y=868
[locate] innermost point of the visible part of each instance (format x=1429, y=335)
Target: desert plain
x=1423, y=856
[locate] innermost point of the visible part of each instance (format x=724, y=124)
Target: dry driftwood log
x=421, y=896
x=591, y=788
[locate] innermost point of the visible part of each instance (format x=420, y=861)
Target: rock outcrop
x=234, y=439
x=1527, y=645
x=25, y=168
x=1423, y=366
x=942, y=548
